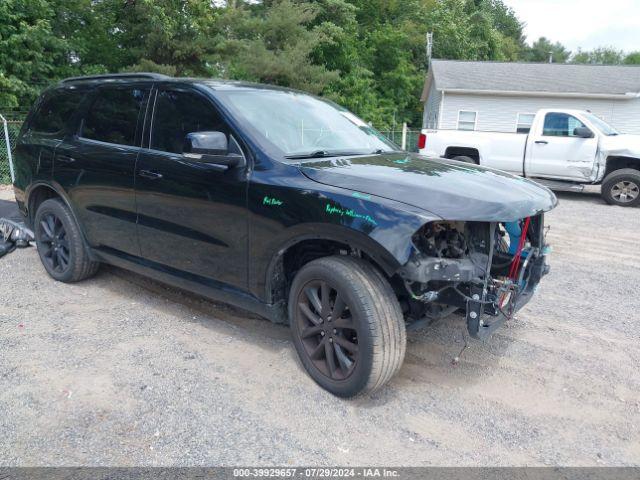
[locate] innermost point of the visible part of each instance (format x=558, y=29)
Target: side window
x=178, y=113
x=467, y=120
x=525, y=120
x=560, y=125
x=56, y=111
x=113, y=117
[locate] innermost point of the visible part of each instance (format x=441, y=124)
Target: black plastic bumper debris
x=13, y=235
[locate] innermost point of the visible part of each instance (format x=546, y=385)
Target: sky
x=582, y=23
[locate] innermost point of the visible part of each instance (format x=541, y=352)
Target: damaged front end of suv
x=488, y=269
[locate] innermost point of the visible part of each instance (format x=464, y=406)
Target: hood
x=449, y=189
x=624, y=145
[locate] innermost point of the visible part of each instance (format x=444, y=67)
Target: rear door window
x=178, y=113
x=56, y=111
x=113, y=116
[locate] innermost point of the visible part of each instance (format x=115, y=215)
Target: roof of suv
x=217, y=84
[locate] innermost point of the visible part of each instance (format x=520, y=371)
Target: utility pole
x=429, y=46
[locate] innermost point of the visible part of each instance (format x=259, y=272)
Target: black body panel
x=222, y=231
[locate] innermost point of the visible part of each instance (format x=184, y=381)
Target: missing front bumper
x=484, y=311
x=490, y=278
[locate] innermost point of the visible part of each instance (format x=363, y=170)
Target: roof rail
x=119, y=76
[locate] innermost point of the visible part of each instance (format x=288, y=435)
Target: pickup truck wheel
x=347, y=325
x=622, y=187
x=59, y=242
x=465, y=159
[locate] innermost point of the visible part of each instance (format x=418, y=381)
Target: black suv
x=281, y=203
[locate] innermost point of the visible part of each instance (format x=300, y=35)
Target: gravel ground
x=120, y=370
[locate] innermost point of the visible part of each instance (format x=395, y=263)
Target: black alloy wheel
x=328, y=331
x=52, y=239
x=61, y=247
x=347, y=325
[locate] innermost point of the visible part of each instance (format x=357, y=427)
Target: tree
x=632, y=58
x=174, y=35
x=30, y=55
x=368, y=55
x=542, y=48
x=599, y=56
x=273, y=45
x=475, y=30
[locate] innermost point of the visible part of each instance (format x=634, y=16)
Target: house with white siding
x=503, y=97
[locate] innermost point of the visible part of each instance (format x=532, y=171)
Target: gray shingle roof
x=536, y=77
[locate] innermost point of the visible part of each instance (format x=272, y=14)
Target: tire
x=465, y=159
x=60, y=245
x=622, y=187
x=371, y=321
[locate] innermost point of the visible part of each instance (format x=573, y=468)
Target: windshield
x=304, y=126
x=601, y=125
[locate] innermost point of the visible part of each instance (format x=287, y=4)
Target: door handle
x=541, y=142
x=65, y=159
x=150, y=175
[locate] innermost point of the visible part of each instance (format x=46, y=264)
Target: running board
x=559, y=186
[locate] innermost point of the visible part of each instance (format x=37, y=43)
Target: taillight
x=422, y=141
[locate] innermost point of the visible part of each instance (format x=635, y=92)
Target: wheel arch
x=309, y=246
x=40, y=191
x=618, y=162
x=458, y=151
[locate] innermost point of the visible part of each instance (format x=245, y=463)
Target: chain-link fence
x=396, y=137
x=13, y=125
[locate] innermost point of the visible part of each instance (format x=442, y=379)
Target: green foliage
x=541, y=48
x=30, y=54
x=273, y=45
x=632, y=59
x=606, y=56
x=368, y=55
x=599, y=56
x=481, y=30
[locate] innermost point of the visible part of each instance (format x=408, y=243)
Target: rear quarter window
x=56, y=111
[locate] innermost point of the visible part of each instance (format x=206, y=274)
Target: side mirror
x=206, y=143
x=210, y=147
x=582, y=132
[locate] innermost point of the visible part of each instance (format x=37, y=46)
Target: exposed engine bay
x=488, y=269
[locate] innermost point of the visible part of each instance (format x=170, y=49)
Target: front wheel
x=347, y=325
x=622, y=187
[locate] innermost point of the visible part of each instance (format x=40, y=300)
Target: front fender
x=282, y=216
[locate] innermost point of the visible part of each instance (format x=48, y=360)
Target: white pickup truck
x=564, y=150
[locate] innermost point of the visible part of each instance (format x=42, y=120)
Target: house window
x=525, y=120
x=467, y=120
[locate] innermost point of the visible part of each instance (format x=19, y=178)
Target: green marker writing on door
x=272, y=202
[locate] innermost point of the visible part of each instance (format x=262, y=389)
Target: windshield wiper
x=321, y=154
x=316, y=154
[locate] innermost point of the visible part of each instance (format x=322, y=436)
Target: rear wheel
x=347, y=325
x=59, y=243
x=622, y=187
